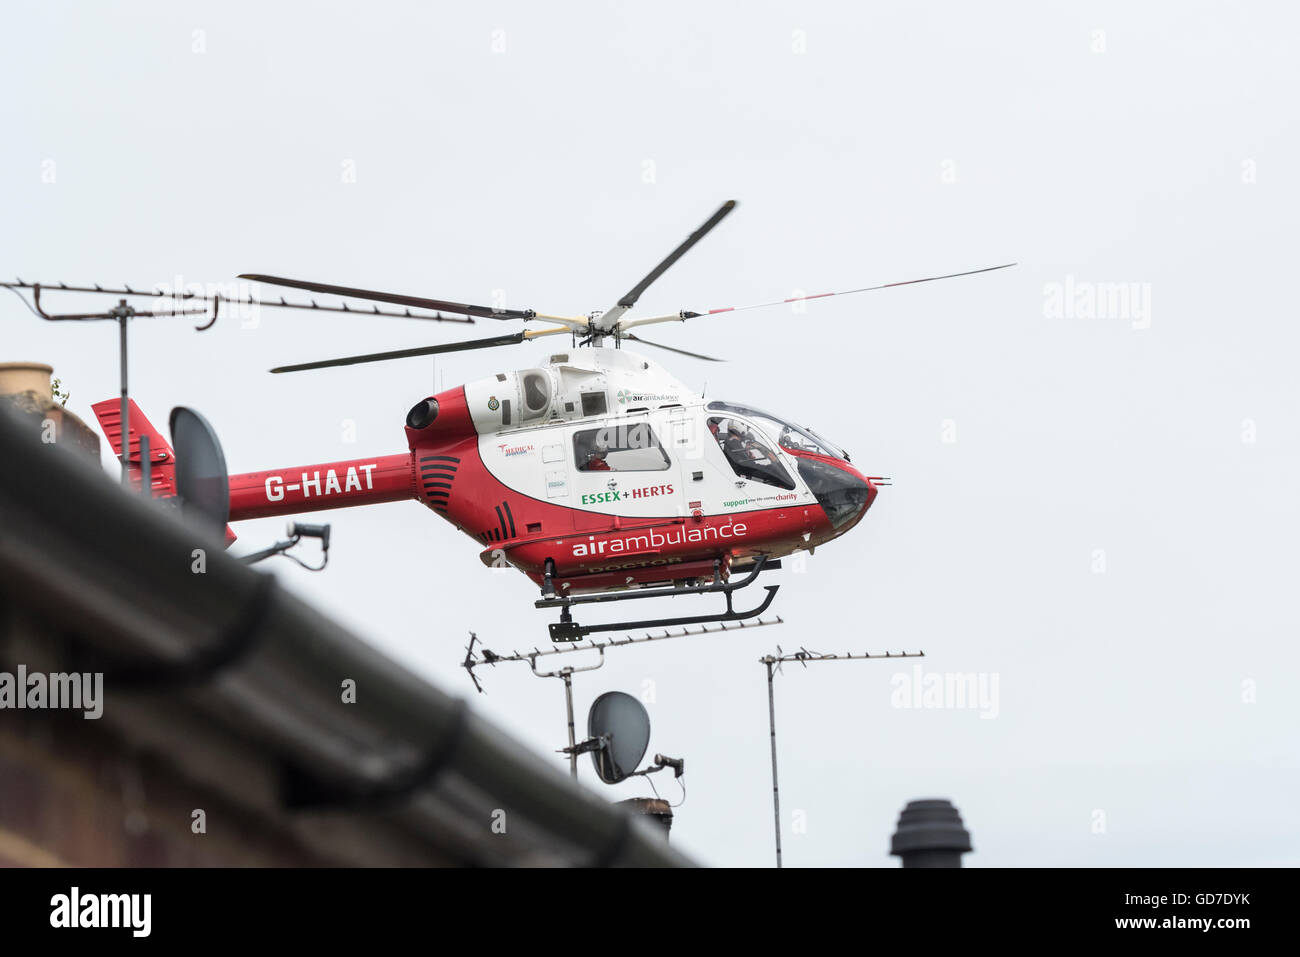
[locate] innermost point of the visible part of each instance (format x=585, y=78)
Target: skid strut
x=566, y=629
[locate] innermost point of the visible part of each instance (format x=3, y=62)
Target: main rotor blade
x=686, y=314
x=510, y=340
x=606, y=322
x=464, y=308
x=849, y=292
x=680, y=352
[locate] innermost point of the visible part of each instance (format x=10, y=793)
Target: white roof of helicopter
x=584, y=383
x=631, y=379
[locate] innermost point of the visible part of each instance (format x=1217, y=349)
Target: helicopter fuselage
x=600, y=466
x=594, y=471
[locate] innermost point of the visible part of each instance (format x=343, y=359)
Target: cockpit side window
x=619, y=448
x=749, y=455
x=786, y=434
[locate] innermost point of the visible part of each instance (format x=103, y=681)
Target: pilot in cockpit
x=741, y=446
x=734, y=444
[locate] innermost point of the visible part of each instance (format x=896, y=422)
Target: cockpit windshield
x=785, y=434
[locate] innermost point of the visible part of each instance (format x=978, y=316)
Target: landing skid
x=566, y=629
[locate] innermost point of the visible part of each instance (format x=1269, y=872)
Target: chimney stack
x=17, y=378
x=25, y=386
x=654, y=809
x=930, y=834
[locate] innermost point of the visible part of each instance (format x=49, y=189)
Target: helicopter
x=596, y=473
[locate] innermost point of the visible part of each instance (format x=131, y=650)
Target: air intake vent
x=437, y=475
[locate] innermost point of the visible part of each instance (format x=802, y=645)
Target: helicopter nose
x=840, y=490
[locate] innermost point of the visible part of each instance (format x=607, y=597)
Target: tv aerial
x=177, y=303
x=803, y=656
x=485, y=656
x=475, y=659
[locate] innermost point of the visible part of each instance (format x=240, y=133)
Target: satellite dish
x=623, y=721
x=201, y=479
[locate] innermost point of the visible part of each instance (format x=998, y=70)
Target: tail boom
x=313, y=488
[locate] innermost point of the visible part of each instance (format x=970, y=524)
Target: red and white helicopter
x=597, y=474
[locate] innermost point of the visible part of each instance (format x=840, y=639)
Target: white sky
x=904, y=141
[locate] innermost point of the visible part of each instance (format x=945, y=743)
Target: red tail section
x=382, y=478
x=162, y=458
x=162, y=469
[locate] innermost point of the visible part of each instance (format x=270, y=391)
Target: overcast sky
x=1095, y=493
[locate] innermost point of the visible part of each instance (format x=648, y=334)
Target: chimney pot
x=19, y=377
